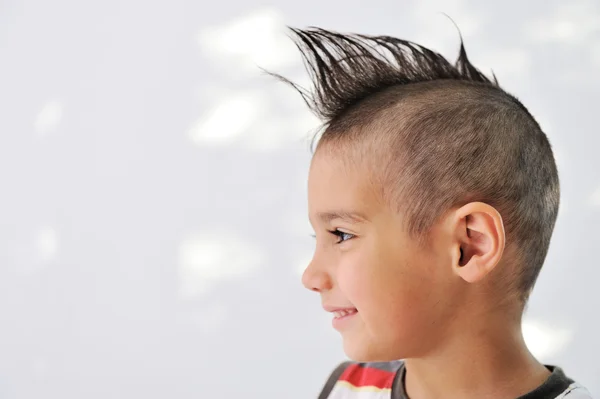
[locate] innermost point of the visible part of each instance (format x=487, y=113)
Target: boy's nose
x=315, y=279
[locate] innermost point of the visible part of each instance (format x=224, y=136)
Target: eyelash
x=341, y=235
x=338, y=233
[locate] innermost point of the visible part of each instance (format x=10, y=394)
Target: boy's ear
x=480, y=241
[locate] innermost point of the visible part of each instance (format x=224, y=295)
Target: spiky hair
x=346, y=69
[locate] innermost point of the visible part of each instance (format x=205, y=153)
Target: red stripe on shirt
x=364, y=376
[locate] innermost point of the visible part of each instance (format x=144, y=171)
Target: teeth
x=342, y=313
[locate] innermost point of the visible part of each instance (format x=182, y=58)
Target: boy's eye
x=342, y=236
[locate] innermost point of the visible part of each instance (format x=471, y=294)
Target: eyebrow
x=348, y=216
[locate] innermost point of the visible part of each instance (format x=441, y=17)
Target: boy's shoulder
x=362, y=380
x=575, y=391
x=558, y=386
x=384, y=380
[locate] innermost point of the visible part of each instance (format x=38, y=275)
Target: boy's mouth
x=343, y=312
x=342, y=316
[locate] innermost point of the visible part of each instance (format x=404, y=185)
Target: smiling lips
x=343, y=312
x=341, y=317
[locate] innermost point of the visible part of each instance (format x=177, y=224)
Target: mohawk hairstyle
x=451, y=136
x=346, y=69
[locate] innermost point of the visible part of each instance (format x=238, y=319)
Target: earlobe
x=481, y=240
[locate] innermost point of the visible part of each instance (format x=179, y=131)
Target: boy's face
x=402, y=294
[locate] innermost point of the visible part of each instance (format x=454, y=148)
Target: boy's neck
x=489, y=360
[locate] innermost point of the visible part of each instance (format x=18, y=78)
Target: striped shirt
x=386, y=381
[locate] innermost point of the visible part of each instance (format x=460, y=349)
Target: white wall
x=152, y=188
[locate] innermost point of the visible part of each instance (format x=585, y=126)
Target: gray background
x=152, y=188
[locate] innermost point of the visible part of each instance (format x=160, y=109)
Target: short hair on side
x=455, y=136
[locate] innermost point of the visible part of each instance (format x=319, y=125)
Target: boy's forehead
x=338, y=186
x=330, y=171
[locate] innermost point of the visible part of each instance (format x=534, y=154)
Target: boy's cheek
x=357, y=275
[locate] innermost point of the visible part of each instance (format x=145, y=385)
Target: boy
x=433, y=194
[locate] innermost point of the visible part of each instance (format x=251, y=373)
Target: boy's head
x=433, y=194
